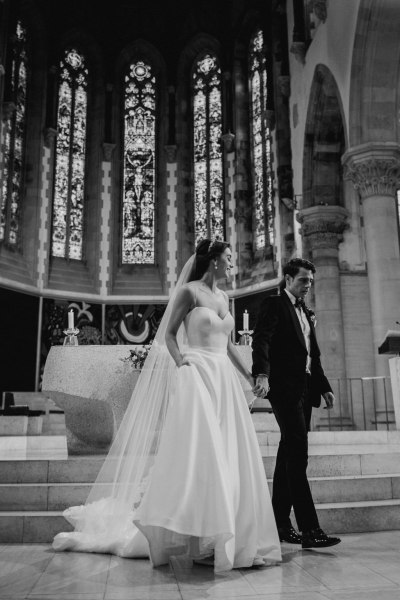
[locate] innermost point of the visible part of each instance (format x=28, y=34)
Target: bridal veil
x=105, y=522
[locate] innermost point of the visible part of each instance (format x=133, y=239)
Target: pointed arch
x=141, y=72
x=260, y=136
x=70, y=156
x=139, y=163
x=375, y=76
x=324, y=142
x=209, y=208
x=196, y=47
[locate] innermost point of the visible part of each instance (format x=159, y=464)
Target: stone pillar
x=322, y=231
x=374, y=169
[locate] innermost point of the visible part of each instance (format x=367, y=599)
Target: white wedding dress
x=207, y=491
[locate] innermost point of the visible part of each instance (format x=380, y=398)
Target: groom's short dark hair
x=293, y=266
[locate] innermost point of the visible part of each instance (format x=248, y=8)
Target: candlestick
x=71, y=319
x=245, y=320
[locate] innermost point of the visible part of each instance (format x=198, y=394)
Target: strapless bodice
x=206, y=329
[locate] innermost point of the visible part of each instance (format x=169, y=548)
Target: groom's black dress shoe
x=316, y=538
x=289, y=535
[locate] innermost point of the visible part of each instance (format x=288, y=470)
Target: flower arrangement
x=136, y=358
x=89, y=335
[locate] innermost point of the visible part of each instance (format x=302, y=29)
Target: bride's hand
x=184, y=361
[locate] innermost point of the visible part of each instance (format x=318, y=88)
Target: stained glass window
x=139, y=165
x=14, y=143
x=69, y=182
x=208, y=166
x=261, y=145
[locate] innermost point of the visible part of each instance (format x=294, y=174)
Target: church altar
x=93, y=384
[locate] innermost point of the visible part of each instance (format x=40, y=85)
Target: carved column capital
x=374, y=168
x=50, y=135
x=171, y=150
x=323, y=226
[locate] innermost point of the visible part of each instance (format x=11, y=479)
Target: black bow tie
x=299, y=303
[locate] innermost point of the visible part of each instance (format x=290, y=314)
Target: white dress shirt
x=305, y=327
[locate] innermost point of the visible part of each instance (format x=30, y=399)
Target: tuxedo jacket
x=279, y=351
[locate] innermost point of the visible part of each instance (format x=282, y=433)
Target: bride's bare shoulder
x=188, y=289
x=192, y=286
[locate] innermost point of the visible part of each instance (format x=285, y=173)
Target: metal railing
x=362, y=403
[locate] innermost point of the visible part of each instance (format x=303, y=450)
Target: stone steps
x=59, y=496
x=356, y=488
x=27, y=527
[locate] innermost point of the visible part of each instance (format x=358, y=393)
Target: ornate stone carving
x=375, y=177
x=8, y=110
x=108, y=150
x=284, y=85
x=170, y=150
x=50, y=135
x=228, y=139
x=323, y=226
x=373, y=168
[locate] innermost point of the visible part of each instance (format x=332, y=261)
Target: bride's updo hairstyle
x=206, y=251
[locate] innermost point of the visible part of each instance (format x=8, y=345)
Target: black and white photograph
x=199, y=299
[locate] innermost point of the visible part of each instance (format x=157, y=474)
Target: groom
x=287, y=367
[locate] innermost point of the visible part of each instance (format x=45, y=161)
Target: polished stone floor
x=364, y=566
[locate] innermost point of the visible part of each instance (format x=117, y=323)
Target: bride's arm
x=182, y=305
x=239, y=363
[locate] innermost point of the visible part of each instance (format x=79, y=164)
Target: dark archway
x=324, y=143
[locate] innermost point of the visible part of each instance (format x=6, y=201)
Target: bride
x=184, y=474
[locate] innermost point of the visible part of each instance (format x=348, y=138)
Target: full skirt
x=207, y=492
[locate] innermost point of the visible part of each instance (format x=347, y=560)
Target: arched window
x=263, y=215
x=139, y=165
x=14, y=142
x=69, y=180
x=209, y=210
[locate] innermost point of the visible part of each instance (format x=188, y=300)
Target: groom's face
x=300, y=284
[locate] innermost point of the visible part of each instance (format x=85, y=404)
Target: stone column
x=374, y=169
x=322, y=231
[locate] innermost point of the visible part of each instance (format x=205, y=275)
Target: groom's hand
x=329, y=400
x=262, y=386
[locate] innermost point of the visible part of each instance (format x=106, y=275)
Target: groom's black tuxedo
x=280, y=352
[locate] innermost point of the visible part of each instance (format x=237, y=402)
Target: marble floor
x=364, y=566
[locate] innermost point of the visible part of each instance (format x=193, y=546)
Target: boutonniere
x=311, y=316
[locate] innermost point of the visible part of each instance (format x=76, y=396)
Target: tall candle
x=71, y=319
x=246, y=320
